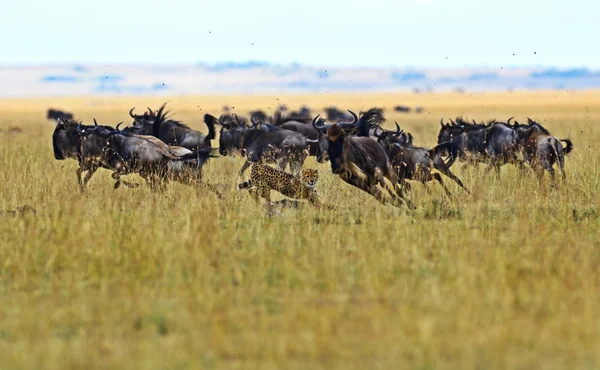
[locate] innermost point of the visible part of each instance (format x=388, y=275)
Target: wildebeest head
x=231, y=135
x=449, y=132
x=65, y=139
x=332, y=142
x=139, y=120
x=321, y=126
x=388, y=138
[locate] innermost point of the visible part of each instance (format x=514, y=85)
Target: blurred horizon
x=68, y=47
x=337, y=33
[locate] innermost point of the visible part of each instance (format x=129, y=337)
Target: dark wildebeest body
x=55, y=114
x=67, y=142
x=361, y=162
x=172, y=132
x=263, y=141
x=468, y=140
x=416, y=163
x=542, y=150
x=501, y=145
x=153, y=159
x=402, y=109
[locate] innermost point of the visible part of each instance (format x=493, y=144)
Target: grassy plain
x=507, y=277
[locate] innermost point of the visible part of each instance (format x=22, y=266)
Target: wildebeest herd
x=360, y=151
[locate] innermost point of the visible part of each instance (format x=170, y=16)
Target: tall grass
x=506, y=277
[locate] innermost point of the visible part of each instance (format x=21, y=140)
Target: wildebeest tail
x=210, y=122
x=447, y=147
x=202, y=155
x=569, y=148
x=245, y=185
x=372, y=117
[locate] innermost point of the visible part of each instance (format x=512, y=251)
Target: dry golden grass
x=506, y=277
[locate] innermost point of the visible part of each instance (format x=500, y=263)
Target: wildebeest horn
x=442, y=122
x=508, y=122
x=398, y=131
x=131, y=113
x=317, y=124
x=353, y=115
x=529, y=121
x=118, y=124
x=453, y=123
x=474, y=122
x=150, y=111
x=95, y=123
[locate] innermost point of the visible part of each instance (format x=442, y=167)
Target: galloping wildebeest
x=153, y=159
x=542, y=150
x=416, y=163
x=501, y=145
x=55, y=114
x=170, y=131
x=361, y=162
x=469, y=139
x=68, y=142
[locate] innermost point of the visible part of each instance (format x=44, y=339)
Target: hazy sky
x=417, y=33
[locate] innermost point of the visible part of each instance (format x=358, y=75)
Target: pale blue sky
x=417, y=33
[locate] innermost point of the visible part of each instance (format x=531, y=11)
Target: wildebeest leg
x=78, y=172
x=371, y=189
x=441, y=166
x=390, y=187
x=438, y=178
x=283, y=162
x=297, y=162
x=553, y=177
x=244, y=167
x=89, y=175
x=561, y=166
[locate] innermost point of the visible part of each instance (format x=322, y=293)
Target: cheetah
x=264, y=178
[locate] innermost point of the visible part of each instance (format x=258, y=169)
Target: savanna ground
x=506, y=277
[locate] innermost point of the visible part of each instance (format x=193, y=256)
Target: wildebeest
x=501, y=145
x=402, y=109
x=263, y=141
x=416, y=163
x=170, y=131
x=151, y=158
x=361, y=162
x=541, y=149
x=468, y=137
x=56, y=114
x=67, y=142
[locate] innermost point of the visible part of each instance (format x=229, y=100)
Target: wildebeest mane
x=535, y=124
x=372, y=117
x=279, y=119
